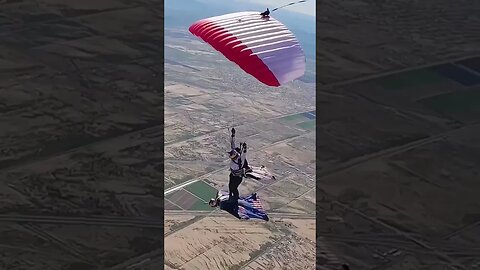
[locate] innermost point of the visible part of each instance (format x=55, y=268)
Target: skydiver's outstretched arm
x=243, y=154
x=243, y=147
x=232, y=142
x=232, y=139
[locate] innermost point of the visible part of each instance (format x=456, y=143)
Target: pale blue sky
x=304, y=8
x=307, y=8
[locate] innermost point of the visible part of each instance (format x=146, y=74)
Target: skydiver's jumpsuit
x=236, y=170
x=232, y=206
x=228, y=205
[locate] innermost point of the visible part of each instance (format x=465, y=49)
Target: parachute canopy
x=261, y=46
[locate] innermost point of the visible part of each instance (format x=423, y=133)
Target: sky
x=184, y=12
x=307, y=8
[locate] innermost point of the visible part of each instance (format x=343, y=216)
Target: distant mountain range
x=182, y=13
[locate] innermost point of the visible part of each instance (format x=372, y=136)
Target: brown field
x=392, y=35
x=303, y=228
x=211, y=241
x=172, y=222
x=81, y=133
x=291, y=252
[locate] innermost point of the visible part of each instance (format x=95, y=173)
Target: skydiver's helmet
x=234, y=153
x=213, y=203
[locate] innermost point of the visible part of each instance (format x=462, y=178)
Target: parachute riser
x=291, y=4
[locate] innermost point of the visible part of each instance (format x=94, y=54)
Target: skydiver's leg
x=231, y=186
x=236, y=182
x=235, y=194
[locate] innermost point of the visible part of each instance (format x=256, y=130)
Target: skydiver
x=265, y=14
x=225, y=203
x=260, y=173
x=234, y=207
x=238, y=166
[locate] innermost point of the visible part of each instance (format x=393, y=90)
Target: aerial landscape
x=205, y=96
x=398, y=135
x=82, y=139
x=81, y=136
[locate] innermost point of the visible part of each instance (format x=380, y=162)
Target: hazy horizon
x=182, y=13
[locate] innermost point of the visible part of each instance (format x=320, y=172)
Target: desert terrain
x=82, y=142
x=205, y=96
x=397, y=128
x=81, y=135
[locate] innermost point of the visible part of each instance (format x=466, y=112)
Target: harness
x=238, y=172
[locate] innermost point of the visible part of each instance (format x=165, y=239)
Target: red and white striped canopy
x=262, y=47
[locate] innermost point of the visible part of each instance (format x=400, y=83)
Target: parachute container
x=262, y=47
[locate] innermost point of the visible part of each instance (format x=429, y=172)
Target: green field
x=308, y=125
x=201, y=206
x=202, y=190
x=294, y=117
x=455, y=103
x=409, y=79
